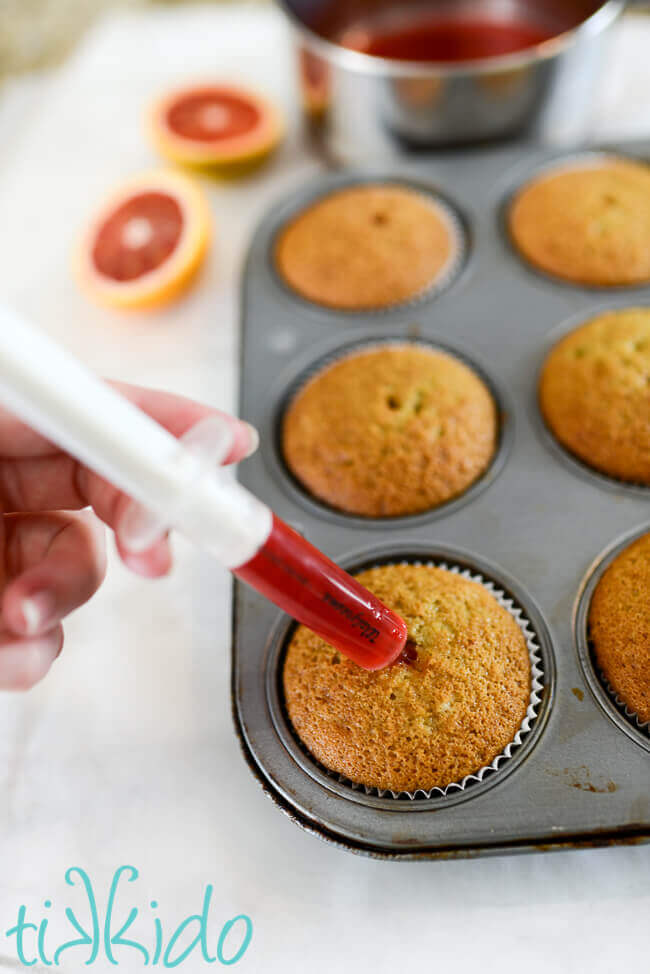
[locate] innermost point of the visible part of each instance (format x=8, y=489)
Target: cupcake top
x=587, y=222
x=390, y=430
x=595, y=393
x=619, y=626
x=367, y=246
x=423, y=724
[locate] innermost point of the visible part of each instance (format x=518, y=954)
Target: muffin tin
x=532, y=527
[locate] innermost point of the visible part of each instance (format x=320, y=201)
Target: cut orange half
x=216, y=125
x=146, y=242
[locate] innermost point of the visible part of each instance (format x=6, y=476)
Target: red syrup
x=428, y=37
x=409, y=654
x=310, y=587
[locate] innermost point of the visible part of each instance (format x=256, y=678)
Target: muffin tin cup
x=546, y=434
x=291, y=383
x=454, y=219
x=622, y=707
x=575, y=779
x=615, y=707
x=469, y=782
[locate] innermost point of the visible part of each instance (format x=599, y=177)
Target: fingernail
x=154, y=563
x=253, y=439
x=38, y=611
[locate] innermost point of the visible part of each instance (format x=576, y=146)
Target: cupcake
x=390, y=430
x=595, y=393
x=367, y=246
x=619, y=627
x=426, y=723
x=587, y=222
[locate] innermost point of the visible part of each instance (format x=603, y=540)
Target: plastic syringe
x=180, y=484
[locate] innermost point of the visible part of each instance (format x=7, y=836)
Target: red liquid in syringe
x=310, y=587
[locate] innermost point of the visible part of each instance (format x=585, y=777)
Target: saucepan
x=383, y=76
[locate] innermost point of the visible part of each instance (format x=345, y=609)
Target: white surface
x=127, y=753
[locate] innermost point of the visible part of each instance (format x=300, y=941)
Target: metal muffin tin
x=533, y=525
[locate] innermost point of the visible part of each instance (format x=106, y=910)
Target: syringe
x=179, y=484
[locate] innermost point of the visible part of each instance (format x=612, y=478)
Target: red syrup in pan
x=456, y=38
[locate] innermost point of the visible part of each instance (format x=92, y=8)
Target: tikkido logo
x=97, y=937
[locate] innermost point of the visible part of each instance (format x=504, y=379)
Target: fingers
x=36, y=477
x=24, y=662
x=178, y=415
x=246, y=440
x=152, y=563
x=33, y=477
x=56, y=562
x=175, y=413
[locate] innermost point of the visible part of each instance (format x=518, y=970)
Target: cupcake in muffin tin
x=391, y=429
x=586, y=221
x=619, y=628
x=462, y=697
x=594, y=394
x=369, y=247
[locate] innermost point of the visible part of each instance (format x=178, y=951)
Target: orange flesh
x=138, y=236
x=210, y=115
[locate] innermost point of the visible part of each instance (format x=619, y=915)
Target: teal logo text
x=113, y=934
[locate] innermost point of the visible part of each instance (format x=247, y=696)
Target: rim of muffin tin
x=610, y=703
x=317, y=190
x=531, y=621
x=304, y=368
x=546, y=434
x=525, y=174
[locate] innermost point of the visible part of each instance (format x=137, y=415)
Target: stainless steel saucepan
x=364, y=107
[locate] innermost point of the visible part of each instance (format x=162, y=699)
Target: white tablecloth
x=127, y=754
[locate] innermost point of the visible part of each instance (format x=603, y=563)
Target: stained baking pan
x=535, y=528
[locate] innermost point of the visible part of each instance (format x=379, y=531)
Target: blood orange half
x=216, y=125
x=145, y=242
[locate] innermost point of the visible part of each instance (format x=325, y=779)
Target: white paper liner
x=630, y=715
x=447, y=273
x=536, y=688
x=457, y=255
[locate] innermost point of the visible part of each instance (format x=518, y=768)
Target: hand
x=52, y=560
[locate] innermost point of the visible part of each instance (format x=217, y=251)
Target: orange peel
x=146, y=241
x=218, y=126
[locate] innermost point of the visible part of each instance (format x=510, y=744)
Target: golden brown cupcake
x=588, y=222
x=367, y=246
x=423, y=724
x=391, y=430
x=619, y=626
x=595, y=393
